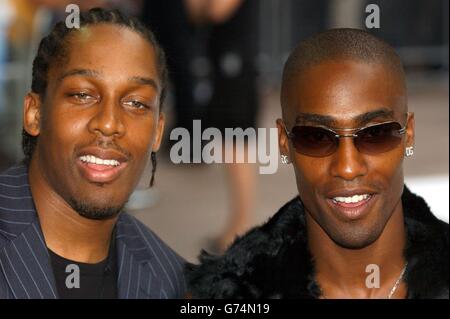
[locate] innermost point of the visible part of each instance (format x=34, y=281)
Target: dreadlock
x=54, y=50
x=153, y=157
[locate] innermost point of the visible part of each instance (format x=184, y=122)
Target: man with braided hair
x=91, y=122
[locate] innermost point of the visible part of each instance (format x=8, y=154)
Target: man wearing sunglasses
x=355, y=230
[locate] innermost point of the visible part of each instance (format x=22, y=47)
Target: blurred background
x=225, y=59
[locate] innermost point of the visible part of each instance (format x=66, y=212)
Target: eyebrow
x=95, y=74
x=380, y=113
x=144, y=81
x=331, y=121
x=80, y=72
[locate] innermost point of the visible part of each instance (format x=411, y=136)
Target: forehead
x=109, y=49
x=344, y=90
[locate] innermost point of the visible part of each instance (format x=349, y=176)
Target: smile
x=352, y=207
x=100, y=170
x=355, y=199
x=98, y=161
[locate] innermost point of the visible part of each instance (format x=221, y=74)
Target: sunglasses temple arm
x=286, y=130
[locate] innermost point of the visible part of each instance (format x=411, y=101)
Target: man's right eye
x=81, y=97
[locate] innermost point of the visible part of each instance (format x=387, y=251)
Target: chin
x=356, y=238
x=97, y=210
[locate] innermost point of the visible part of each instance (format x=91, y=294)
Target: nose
x=348, y=163
x=107, y=120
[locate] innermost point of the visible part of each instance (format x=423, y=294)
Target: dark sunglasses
x=318, y=141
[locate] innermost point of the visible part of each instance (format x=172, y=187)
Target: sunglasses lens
x=319, y=142
x=314, y=141
x=378, y=138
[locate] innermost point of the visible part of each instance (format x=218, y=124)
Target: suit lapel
x=26, y=266
x=24, y=260
x=137, y=278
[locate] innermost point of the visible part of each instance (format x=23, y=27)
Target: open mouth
x=100, y=170
x=352, y=207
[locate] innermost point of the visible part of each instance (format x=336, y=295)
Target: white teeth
x=351, y=199
x=95, y=160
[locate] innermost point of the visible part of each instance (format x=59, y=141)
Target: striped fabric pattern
x=147, y=267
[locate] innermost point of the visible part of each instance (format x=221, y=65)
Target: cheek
x=60, y=131
x=140, y=135
x=310, y=173
x=390, y=174
x=386, y=175
x=387, y=169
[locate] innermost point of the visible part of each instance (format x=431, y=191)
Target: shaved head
x=337, y=45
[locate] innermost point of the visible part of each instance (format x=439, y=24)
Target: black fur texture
x=273, y=261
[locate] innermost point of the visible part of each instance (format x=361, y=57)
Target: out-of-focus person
x=211, y=48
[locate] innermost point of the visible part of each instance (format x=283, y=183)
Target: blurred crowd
x=210, y=42
x=222, y=55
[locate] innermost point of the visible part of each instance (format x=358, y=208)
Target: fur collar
x=272, y=261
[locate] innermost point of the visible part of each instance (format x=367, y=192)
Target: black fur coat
x=272, y=261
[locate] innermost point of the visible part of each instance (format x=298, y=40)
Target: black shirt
x=76, y=280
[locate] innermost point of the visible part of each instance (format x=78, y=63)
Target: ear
x=32, y=106
x=410, y=130
x=283, y=139
x=159, y=132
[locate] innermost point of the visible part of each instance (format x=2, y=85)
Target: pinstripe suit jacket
x=147, y=268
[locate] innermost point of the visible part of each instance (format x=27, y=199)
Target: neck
x=343, y=272
x=67, y=233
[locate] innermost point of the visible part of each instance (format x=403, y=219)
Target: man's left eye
x=80, y=96
x=136, y=104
